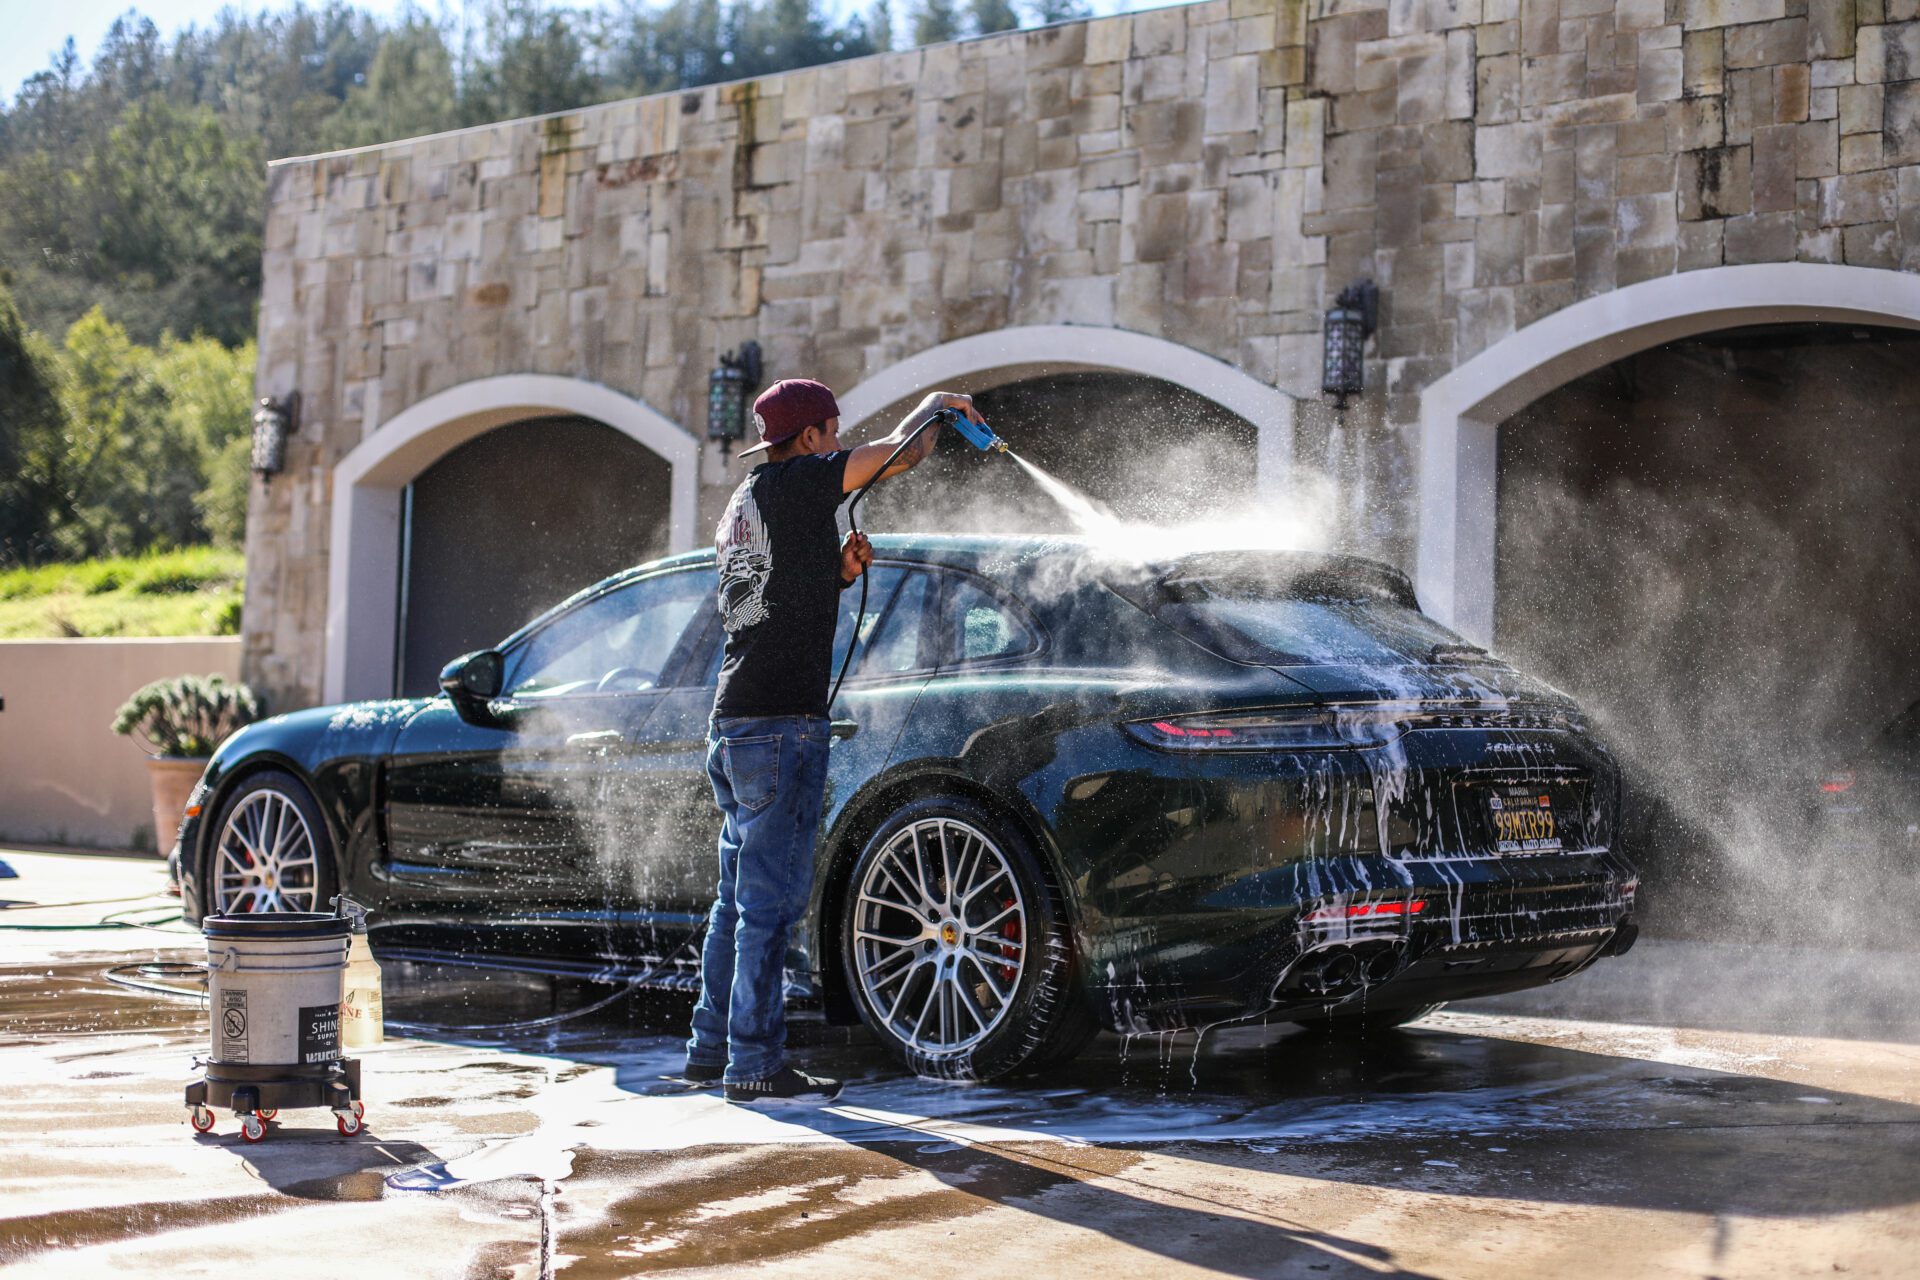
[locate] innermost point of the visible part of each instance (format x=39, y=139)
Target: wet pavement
x=1691, y=1109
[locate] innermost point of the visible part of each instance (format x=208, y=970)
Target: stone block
x=1108, y=39
x=1639, y=15
x=1791, y=94
x=1552, y=78
x=1715, y=183
x=1900, y=143
x=1703, y=56
x=1773, y=168
x=1233, y=95
x=1886, y=53
x=1727, y=13
x=1446, y=152
x=1816, y=149
x=1501, y=245
x=1498, y=99
x=1760, y=237
x=1861, y=108
x=1874, y=244
x=1306, y=132
x=1158, y=32
x=1830, y=28
x=1860, y=152
x=1851, y=198
x=1693, y=123
x=1659, y=77
x=1698, y=245
x=1765, y=44
x=1644, y=175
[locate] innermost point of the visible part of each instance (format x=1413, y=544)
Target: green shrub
x=187, y=715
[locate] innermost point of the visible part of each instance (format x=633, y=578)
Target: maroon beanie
x=789, y=407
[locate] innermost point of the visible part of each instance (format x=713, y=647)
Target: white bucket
x=274, y=986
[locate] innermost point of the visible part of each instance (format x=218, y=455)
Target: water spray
x=980, y=436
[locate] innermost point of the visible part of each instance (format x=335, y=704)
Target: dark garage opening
x=1713, y=545
x=513, y=522
x=1150, y=450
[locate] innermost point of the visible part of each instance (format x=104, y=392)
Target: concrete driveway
x=1691, y=1110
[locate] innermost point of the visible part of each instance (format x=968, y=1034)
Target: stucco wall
x=1210, y=173
x=65, y=776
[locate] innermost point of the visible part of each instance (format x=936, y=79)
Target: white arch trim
x=363, y=568
x=988, y=360
x=1460, y=413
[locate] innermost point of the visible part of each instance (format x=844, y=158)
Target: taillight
x=1309, y=728
x=1835, y=784
x=1369, y=910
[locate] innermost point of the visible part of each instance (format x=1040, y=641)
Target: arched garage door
x=514, y=521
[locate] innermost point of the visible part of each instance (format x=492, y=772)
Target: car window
x=883, y=581
x=614, y=643
x=980, y=626
x=896, y=646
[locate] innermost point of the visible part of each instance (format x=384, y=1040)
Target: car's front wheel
x=956, y=945
x=270, y=850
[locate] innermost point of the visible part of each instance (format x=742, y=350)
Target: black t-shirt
x=779, y=555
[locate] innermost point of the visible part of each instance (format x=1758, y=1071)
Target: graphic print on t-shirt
x=746, y=560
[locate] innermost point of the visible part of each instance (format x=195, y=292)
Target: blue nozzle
x=977, y=434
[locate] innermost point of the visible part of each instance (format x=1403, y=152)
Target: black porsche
x=1067, y=792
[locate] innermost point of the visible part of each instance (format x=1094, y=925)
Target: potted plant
x=180, y=721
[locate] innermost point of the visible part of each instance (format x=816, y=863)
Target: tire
x=912, y=952
x=1368, y=1023
x=269, y=813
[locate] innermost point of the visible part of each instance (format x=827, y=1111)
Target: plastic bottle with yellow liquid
x=362, y=1012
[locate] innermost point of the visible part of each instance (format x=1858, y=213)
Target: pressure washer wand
x=979, y=435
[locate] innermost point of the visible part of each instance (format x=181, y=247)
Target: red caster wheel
x=268, y=1113
x=252, y=1129
x=348, y=1123
x=359, y=1108
x=201, y=1119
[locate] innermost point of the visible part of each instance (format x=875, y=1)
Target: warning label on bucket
x=320, y=1033
x=230, y=1027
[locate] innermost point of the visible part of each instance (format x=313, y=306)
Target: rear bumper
x=1463, y=927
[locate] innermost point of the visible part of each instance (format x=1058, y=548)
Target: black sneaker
x=785, y=1088
x=701, y=1073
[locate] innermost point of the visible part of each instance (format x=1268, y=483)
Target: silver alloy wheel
x=940, y=936
x=266, y=859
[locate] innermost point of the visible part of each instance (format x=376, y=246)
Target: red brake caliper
x=1011, y=932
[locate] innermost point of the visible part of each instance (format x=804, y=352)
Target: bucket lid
x=277, y=924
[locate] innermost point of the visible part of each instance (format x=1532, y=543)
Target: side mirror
x=471, y=682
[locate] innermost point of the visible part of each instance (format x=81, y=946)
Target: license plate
x=1522, y=820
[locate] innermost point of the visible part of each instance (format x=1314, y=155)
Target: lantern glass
x=269, y=438
x=1344, y=371
x=726, y=403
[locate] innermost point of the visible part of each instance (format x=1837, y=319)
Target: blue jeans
x=769, y=778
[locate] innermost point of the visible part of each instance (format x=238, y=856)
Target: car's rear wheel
x=270, y=850
x=956, y=945
x=1366, y=1022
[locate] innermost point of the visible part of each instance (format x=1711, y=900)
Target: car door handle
x=845, y=728
x=600, y=740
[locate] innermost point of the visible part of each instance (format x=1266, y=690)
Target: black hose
x=853, y=526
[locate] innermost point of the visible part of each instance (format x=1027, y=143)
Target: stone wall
x=1210, y=174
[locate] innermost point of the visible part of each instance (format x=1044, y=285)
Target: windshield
x=1312, y=618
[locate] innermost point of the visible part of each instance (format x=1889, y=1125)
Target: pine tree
x=990, y=16
x=935, y=21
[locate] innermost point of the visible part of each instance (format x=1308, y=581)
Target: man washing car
x=782, y=567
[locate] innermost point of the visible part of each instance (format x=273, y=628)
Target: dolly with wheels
x=256, y=1095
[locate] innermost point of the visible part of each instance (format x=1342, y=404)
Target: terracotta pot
x=173, y=779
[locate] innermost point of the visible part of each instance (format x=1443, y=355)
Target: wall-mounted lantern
x=729, y=388
x=273, y=421
x=1350, y=322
